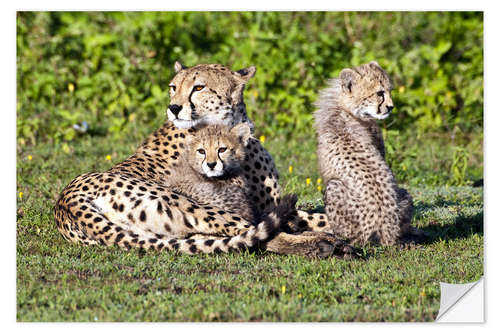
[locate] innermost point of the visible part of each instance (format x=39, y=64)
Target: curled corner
x=462, y=302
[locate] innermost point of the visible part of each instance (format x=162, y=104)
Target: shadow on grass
x=463, y=226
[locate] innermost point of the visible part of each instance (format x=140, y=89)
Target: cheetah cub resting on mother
x=209, y=172
x=362, y=200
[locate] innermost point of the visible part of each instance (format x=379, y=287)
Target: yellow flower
x=65, y=148
x=422, y=293
x=30, y=157
x=299, y=296
x=262, y=138
x=21, y=195
x=283, y=289
x=319, y=188
x=308, y=181
x=108, y=157
x=403, y=167
x=290, y=169
x=402, y=89
x=318, y=181
x=71, y=87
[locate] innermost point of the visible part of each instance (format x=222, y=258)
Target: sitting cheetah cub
x=362, y=200
x=209, y=171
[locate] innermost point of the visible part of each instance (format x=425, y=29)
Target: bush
x=111, y=70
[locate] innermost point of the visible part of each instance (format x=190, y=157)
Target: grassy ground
x=58, y=281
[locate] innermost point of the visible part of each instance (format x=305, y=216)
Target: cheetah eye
x=198, y=88
x=380, y=93
x=222, y=149
x=172, y=87
x=201, y=151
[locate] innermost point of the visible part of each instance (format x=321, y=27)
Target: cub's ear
x=246, y=74
x=191, y=139
x=178, y=67
x=348, y=78
x=374, y=64
x=242, y=131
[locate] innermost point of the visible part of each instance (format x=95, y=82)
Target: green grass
x=59, y=281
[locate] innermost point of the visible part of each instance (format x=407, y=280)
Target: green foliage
x=112, y=69
x=434, y=159
x=459, y=165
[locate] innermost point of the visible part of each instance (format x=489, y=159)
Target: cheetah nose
x=389, y=108
x=175, y=108
x=211, y=165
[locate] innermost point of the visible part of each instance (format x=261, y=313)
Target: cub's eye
x=222, y=149
x=201, y=151
x=198, y=88
x=380, y=93
x=172, y=87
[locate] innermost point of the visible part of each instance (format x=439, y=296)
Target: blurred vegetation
x=111, y=71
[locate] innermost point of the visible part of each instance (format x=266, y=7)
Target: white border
x=492, y=85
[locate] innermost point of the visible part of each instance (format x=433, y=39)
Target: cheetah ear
x=374, y=64
x=178, y=67
x=242, y=131
x=237, y=94
x=246, y=74
x=348, y=77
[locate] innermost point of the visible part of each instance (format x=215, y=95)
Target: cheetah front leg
x=312, y=245
x=339, y=206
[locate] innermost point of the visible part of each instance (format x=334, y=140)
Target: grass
x=59, y=281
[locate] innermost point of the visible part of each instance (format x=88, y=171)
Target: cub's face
x=367, y=91
x=209, y=94
x=217, y=150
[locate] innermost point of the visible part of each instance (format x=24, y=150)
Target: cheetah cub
x=362, y=200
x=209, y=171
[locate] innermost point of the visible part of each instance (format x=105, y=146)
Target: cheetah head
x=209, y=94
x=217, y=150
x=367, y=91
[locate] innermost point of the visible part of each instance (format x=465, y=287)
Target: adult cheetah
x=131, y=206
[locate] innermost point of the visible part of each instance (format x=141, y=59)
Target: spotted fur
x=201, y=93
x=362, y=199
x=132, y=205
x=210, y=170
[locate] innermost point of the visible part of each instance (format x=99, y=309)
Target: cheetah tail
x=263, y=231
x=285, y=211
